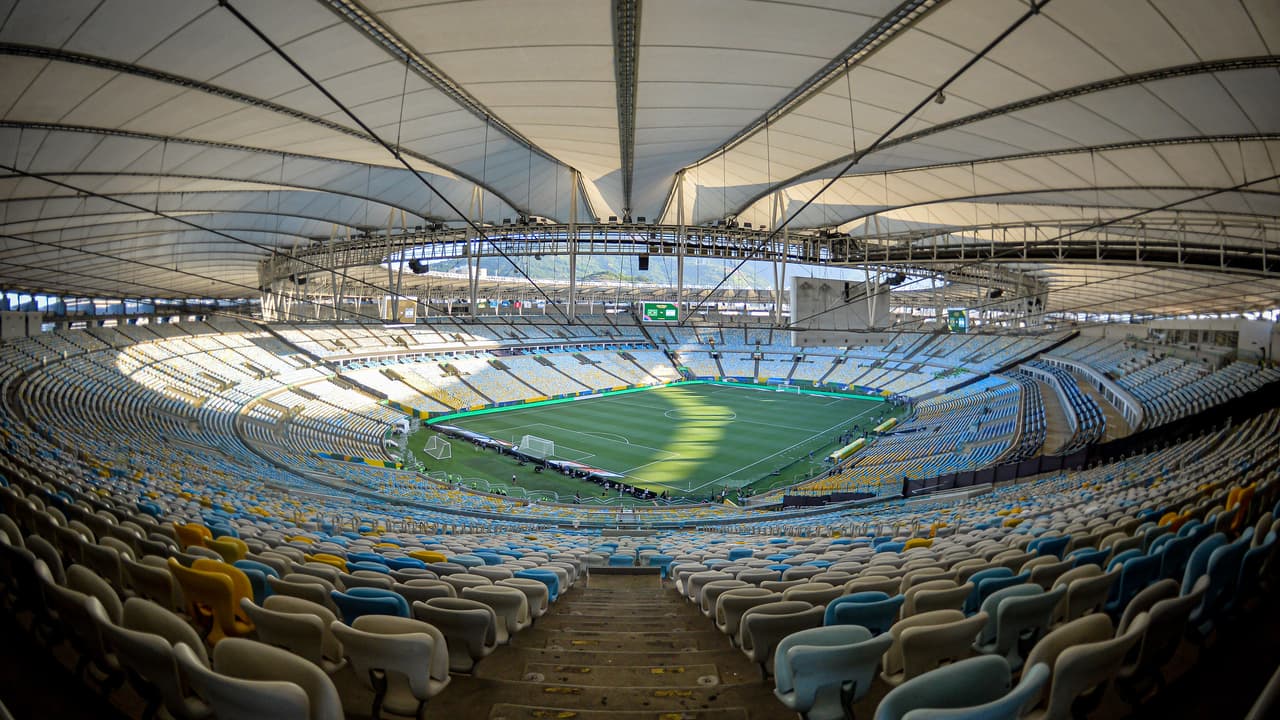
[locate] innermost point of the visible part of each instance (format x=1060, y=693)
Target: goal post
x=536, y=447
x=438, y=448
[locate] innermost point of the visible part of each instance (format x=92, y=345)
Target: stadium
x=714, y=360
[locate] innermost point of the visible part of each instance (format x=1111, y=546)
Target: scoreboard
x=958, y=320
x=660, y=312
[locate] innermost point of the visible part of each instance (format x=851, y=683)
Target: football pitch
x=687, y=440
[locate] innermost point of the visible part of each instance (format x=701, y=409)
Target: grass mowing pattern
x=689, y=440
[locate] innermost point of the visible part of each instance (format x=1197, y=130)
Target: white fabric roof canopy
x=1162, y=115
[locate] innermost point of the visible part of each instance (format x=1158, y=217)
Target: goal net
x=537, y=447
x=438, y=448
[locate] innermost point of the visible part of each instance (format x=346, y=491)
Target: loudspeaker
x=644, y=263
x=418, y=267
x=996, y=294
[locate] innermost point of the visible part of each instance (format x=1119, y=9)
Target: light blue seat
x=875, y=611
x=361, y=601
x=991, y=606
x=1009, y=707
x=1019, y=616
x=488, y=557
x=546, y=577
x=820, y=672
x=622, y=560
x=466, y=561
x=976, y=681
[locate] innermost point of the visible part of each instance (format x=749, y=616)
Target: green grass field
x=687, y=440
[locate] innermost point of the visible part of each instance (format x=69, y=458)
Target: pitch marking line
x=785, y=449
x=586, y=434
x=608, y=435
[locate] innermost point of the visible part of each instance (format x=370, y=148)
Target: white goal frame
x=438, y=448
x=536, y=447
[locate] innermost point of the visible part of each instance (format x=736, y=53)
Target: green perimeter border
x=604, y=393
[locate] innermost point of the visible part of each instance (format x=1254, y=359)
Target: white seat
x=387, y=654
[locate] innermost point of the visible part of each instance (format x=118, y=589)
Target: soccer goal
x=438, y=448
x=537, y=447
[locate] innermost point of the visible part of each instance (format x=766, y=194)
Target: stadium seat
x=470, y=629
x=387, y=654
x=213, y=598
x=299, y=626
x=359, y=601
x=510, y=606
x=762, y=627
x=968, y=683
x=874, y=611
x=820, y=671
x=251, y=680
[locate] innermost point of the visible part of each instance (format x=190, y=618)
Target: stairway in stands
x=625, y=646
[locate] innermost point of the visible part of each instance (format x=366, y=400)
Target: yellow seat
x=230, y=548
x=212, y=598
x=918, y=542
x=192, y=534
x=302, y=538
x=427, y=556
x=328, y=559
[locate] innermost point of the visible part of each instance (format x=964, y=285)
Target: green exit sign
x=660, y=312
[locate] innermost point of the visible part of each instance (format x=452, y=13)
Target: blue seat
x=622, y=560
x=360, y=601
x=974, y=600
x=662, y=561
x=361, y=556
x=817, y=563
x=778, y=557
x=740, y=553
x=995, y=584
x=370, y=566
x=405, y=563
x=1174, y=552
x=1050, y=545
x=1223, y=569
x=1122, y=558
x=257, y=573
x=1198, y=560
x=467, y=561
x=1008, y=707
x=1136, y=573
x=974, y=682
x=893, y=547
x=546, y=577
x=1088, y=556
x=875, y=611
x=818, y=672
x=1251, y=567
